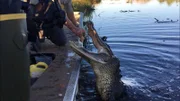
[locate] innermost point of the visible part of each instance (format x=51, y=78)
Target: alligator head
x=105, y=66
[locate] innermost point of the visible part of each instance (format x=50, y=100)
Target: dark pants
x=56, y=35
x=31, y=25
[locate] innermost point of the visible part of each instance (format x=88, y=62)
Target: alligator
x=167, y=21
x=105, y=66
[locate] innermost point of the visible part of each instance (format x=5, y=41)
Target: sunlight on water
x=130, y=82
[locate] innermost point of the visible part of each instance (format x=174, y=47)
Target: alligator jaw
x=89, y=56
x=98, y=43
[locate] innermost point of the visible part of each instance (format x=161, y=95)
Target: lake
x=149, y=52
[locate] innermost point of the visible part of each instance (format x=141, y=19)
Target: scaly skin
x=105, y=66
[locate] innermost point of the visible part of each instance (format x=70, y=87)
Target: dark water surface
x=149, y=52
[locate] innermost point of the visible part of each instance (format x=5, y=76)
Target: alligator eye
x=104, y=38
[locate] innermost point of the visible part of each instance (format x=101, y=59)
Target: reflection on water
x=149, y=52
x=85, y=6
x=169, y=2
x=137, y=1
x=88, y=6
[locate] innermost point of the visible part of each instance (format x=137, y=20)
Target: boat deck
x=59, y=81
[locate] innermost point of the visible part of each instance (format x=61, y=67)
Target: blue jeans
x=56, y=35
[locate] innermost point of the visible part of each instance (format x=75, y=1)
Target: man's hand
x=80, y=32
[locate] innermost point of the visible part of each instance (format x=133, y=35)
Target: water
x=149, y=52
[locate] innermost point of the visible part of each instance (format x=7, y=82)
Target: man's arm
x=76, y=30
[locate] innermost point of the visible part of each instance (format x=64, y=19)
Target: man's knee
x=57, y=36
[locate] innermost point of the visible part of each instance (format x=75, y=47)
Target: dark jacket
x=54, y=16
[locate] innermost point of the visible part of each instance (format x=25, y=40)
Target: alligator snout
x=105, y=66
